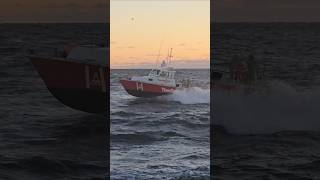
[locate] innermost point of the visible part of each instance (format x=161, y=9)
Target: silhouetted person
x=232, y=67
x=252, y=68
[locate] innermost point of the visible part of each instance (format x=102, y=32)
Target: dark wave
x=124, y=113
x=42, y=167
x=147, y=137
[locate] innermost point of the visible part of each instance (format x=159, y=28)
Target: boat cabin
x=163, y=76
x=89, y=54
x=167, y=73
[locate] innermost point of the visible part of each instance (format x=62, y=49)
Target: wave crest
x=193, y=95
x=282, y=109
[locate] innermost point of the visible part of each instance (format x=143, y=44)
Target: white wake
x=193, y=95
x=282, y=109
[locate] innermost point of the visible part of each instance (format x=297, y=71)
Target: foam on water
x=283, y=108
x=193, y=95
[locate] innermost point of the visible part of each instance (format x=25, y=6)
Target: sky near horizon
x=72, y=11
x=265, y=10
x=53, y=11
x=142, y=28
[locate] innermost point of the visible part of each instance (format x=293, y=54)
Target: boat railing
x=61, y=52
x=217, y=73
x=129, y=76
x=46, y=51
x=184, y=83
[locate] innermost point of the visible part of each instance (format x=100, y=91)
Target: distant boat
x=78, y=77
x=160, y=81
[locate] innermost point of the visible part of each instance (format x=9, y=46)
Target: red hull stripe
x=146, y=87
x=144, y=94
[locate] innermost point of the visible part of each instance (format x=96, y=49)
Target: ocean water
x=161, y=138
x=274, y=136
x=40, y=137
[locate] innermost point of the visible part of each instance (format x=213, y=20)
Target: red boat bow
x=77, y=85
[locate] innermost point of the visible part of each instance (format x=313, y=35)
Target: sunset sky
x=140, y=27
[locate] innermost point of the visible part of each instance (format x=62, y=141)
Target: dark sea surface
x=161, y=138
x=275, y=136
x=41, y=138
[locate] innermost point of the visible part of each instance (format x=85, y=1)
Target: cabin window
x=150, y=79
x=163, y=74
x=154, y=72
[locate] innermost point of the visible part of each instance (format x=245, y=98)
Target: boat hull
x=141, y=89
x=77, y=85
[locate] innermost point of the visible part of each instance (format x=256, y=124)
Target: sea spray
x=282, y=109
x=193, y=95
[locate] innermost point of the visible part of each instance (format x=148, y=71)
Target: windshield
x=154, y=72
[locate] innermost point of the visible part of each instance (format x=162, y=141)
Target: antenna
x=167, y=60
x=170, y=56
x=157, y=61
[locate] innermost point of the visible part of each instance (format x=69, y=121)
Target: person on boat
x=242, y=71
x=252, y=69
x=232, y=67
x=238, y=69
x=186, y=83
x=183, y=83
x=163, y=64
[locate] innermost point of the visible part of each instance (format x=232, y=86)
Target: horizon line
x=153, y=68
x=54, y=22
x=265, y=22
x=220, y=22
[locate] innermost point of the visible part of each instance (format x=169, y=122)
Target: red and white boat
x=157, y=83
x=160, y=81
x=78, y=78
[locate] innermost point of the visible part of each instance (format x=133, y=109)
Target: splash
x=283, y=108
x=193, y=95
